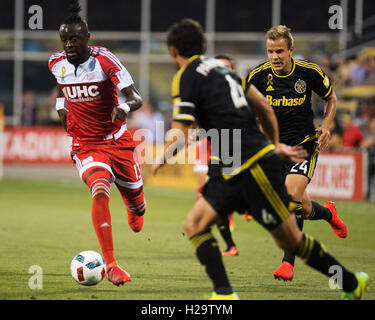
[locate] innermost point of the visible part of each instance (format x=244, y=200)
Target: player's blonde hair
x=281, y=31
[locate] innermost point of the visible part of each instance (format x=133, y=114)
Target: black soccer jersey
x=207, y=92
x=290, y=96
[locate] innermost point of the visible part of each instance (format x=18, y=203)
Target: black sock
x=315, y=255
x=320, y=212
x=209, y=256
x=225, y=233
x=288, y=256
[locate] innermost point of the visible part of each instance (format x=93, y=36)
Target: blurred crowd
x=354, y=125
x=354, y=83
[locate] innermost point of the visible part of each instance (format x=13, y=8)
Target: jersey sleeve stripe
x=95, y=51
x=183, y=117
x=176, y=85
x=243, y=83
x=258, y=69
x=185, y=104
x=317, y=69
x=117, y=64
x=184, y=110
x=328, y=93
x=310, y=66
x=113, y=57
x=57, y=56
x=54, y=59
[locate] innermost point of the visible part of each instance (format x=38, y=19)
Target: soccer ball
x=88, y=268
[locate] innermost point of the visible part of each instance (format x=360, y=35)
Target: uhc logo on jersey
x=81, y=93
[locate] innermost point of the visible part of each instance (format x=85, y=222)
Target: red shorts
x=117, y=156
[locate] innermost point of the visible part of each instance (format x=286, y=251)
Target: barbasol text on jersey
x=285, y=102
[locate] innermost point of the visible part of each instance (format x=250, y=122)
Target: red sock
x=101, y=219
x=134, y=200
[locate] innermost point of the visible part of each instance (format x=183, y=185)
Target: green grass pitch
x=46, y=223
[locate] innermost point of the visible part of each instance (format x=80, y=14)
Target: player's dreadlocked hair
x=74, y=17
x=187, y=37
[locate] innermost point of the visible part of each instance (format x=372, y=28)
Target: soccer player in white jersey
x=88, y=80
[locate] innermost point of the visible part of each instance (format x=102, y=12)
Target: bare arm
x=63, y=113
x=270, y=126
x=329, y=115
x=133, y=100
x=264, y=113
x=180, y=130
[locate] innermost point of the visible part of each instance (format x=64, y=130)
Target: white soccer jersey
x=90, y=90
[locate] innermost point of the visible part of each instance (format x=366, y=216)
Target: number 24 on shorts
x=300, y=166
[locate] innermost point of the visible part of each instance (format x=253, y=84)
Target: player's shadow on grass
x=168, y=277
x=281, y=290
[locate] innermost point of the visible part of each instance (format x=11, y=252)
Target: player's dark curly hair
x=74, y=17
x=187, y=36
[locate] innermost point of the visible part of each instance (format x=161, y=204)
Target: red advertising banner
x=36, y=145
x=339, y=176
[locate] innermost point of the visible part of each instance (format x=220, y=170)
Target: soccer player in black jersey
x=287, y=84
x=205, y=92
x=200, y=168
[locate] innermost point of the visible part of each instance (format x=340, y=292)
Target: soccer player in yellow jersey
x=287, y=84
x=208, y=95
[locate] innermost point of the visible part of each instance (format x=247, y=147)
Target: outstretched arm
x=270, y=126
x=180, y=134
x=264, y=113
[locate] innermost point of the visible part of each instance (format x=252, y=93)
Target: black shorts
x=306, y=167
x=259, y=189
